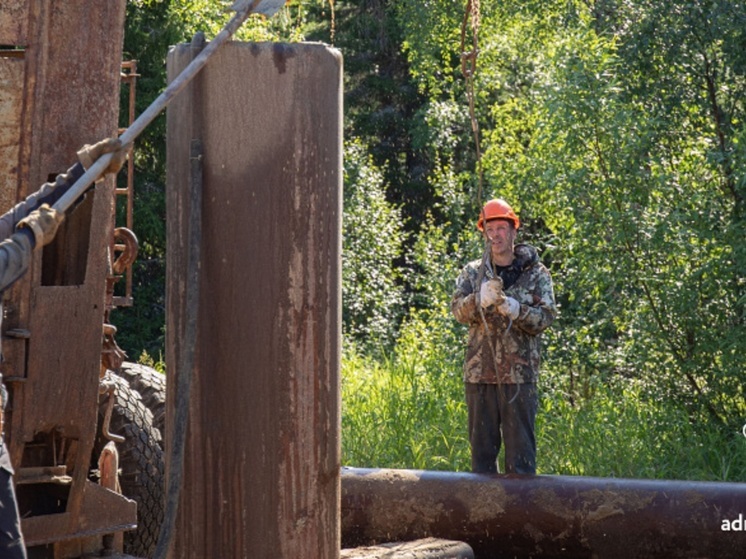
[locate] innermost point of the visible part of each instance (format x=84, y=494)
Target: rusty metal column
x=261, y=473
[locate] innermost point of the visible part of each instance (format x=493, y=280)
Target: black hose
x=186, y=357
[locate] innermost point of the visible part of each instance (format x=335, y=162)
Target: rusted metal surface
x=102, y=515
x=81, y=76
x=12, y=71
x=262, y=454
x=544, y=516
x=14, y=18
x=123, y=250
x=62, y=87
x=129, y=77
x=108, y=465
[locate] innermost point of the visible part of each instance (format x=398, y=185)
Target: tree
x=616, y=129
x=640, y=146
x=372, y=290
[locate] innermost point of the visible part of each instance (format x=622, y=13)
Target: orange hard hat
x=497, y=209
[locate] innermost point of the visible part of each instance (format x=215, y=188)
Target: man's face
x=501, y=235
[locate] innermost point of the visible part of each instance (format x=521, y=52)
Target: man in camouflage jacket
x=507, y=300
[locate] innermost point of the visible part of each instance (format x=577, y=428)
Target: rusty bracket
x=107, y=387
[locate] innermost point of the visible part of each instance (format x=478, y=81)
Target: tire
x=141, y=464
x=151, y=385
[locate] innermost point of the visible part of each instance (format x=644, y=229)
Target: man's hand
x=509, y=307
x=88, y=154
x=491, y=293
x=43, y=222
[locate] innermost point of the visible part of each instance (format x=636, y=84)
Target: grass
x=398, y=414
x=407, y=410
x=622, y=432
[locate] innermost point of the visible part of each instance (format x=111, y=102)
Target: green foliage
x=209, y=17
x=149, y=30
x=372, y=291
x=431, y=42
x=407, y=410
x=638, y=185
x=621, y=430
x=382, y=104
x=149, y=361
x=404, y=410
x=616, y=129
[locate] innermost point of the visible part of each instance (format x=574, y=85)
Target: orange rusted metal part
x=125, y=247
x=129, y=77
x=108, y=389
x=60, y=65
x=123, y=250
x=544, y=516
x=108, y=466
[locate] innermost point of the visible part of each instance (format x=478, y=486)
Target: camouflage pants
x=502, y=413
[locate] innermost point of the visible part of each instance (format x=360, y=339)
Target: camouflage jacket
x=517, y=346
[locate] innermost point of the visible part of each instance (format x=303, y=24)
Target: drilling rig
x=80, y=424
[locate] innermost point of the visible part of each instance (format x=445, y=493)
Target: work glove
x=88, y=154
x=43, y=222
x=491, y=293
x=509, y=307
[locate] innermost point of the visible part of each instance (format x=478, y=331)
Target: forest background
x=615, y=128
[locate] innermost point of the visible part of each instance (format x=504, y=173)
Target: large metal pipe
x=545, y=516
x=261, y=463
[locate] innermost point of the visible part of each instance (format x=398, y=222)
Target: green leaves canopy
x=615, y=128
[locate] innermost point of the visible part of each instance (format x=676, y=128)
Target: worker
x=33, y=223
x=507, y=300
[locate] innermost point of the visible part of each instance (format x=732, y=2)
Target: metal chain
x=470, y=23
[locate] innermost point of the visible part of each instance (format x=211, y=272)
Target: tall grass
x=620, y=431
x=405, y=409
x=399, y=413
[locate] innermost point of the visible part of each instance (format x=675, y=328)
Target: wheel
x=141, y=463
x=151, y=385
